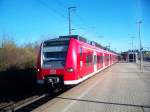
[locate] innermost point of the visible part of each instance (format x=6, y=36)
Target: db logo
x=52, y=71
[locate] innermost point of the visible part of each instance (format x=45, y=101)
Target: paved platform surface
x=120, y=88
x=146, y=65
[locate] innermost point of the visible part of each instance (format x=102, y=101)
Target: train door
x=101, y=60
x=95, y=61
x=81, y=67
x=109, y=59
x=104, y=60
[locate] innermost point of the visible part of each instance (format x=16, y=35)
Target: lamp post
x=140, y=44
x=132, y=48
x=69, y=18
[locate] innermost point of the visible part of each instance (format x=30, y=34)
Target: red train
x=69, y=60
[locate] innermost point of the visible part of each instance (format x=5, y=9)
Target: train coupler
x=54, y=81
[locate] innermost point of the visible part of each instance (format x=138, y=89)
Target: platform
x=120, y=88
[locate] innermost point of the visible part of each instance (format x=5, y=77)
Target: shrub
x=14, y=57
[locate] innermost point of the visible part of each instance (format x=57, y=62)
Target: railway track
x=5, y=105
x=30, y=103
x=12, y=107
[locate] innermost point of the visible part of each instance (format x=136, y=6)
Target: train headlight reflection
x=70, y=70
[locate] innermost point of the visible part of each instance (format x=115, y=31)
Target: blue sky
x=103, y=21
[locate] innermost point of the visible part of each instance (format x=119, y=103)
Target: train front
x=51, y=62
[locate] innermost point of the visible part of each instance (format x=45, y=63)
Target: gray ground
x=120, y=88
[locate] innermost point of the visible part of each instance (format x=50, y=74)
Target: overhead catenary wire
x=52, y=9
x=84, y=27
x=81, y=25
x=55, y=11
x=85, y=30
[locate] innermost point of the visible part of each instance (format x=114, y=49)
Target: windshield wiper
x=54, y=59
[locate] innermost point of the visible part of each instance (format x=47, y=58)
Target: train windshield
x=54, y=54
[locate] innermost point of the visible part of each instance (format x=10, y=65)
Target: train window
x=89, y=59
x=81, y=52
x=99, y=59
x=54, y=54
x=107, y=58
x=55, y=43
x=54, y=59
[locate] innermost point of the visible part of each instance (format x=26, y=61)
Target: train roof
x=80, y=38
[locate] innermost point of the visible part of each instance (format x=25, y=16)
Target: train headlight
x=38, y=69
x=70, y=70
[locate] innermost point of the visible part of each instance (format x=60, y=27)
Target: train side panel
x=70, y=73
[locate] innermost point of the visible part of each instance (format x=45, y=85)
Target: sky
x=108, y=22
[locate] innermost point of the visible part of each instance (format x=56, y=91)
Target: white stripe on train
x=79, y=80
x=84, y=78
